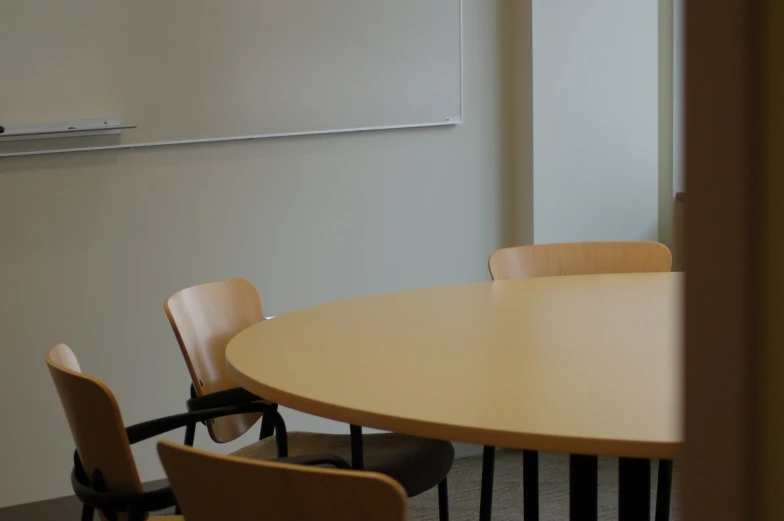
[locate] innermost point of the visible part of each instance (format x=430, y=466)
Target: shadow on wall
x=678, y=242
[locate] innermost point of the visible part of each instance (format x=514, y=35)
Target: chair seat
x=418, y=464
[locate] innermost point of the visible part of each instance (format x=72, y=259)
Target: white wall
x=92, y=243
x=666, y=113
x=595, y=120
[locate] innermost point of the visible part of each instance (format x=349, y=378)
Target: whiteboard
x=203, y=70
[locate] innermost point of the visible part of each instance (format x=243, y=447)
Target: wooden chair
x=581, y=258
x=205, y=317
x=211, y=487
x=105, y=477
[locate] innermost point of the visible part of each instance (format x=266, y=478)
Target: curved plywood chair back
x=96, y=425
x=204, y=319
x=579, y=258
x=211, y=486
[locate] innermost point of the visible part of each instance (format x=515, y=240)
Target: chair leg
x=281, y=435
x=267, y=425
x=486, y=496
x=136, y=514
x=663, y=490
x=443, y=501
x=530, y=485
x=88, y=513
x=190, y=434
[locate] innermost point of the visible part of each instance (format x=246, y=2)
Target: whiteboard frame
x=451, y=121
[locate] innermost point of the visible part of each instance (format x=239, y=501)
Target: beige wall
x=93, y=242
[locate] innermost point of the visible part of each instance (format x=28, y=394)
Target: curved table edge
x=457, y=433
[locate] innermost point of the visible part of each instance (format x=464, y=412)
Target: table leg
x=530, y=485
x=357, y=452
x=634, y=489
x=583, y=487
x=486, y=495
x=664, y=490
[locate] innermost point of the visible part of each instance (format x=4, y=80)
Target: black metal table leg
x=530, y=485
x=357, y=451
x=583, y=487
x=664, y=490
x=443, y=501
x=634, y=489
x=486, y=496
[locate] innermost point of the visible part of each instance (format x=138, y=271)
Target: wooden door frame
x=722, y=176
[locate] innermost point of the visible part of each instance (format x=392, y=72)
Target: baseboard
x=47, y=510
x=69, y=507
x=56, y=509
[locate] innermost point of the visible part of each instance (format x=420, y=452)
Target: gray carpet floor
x=465, y=479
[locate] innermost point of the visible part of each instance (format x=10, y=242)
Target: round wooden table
x=586, y=365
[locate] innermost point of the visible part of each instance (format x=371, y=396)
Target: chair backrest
x=579, y=258
x=95, y=421
x=204, y=319
x=211, y=486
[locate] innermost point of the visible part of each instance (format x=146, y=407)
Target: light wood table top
x=584, y=364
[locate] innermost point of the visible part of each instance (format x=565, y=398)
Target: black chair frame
x=272, y=422
x=235, y=396
x=93, y=492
